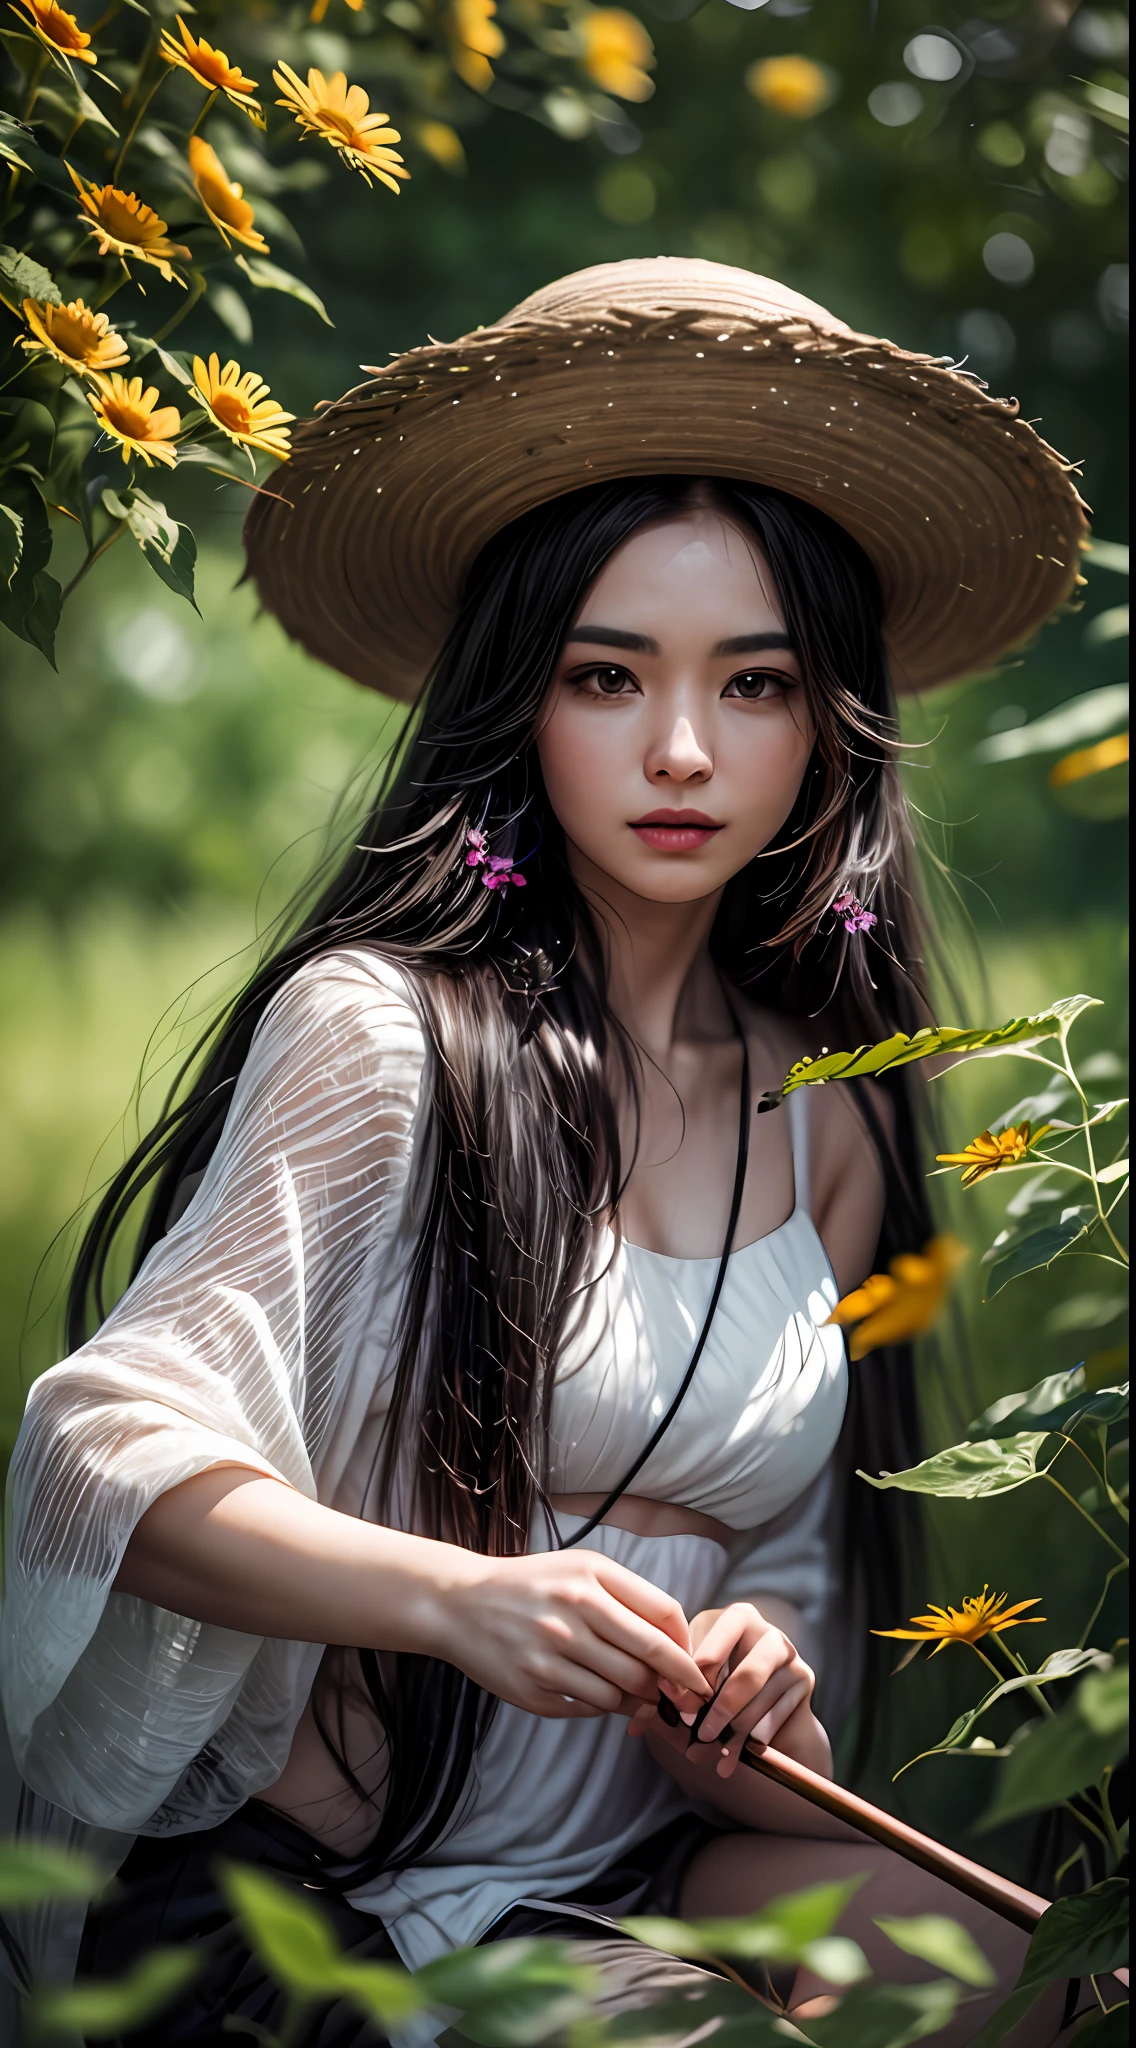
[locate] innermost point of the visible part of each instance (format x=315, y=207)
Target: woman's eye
x=607, y=681
x=754, y=684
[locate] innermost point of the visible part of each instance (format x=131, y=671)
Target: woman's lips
x=675, y=831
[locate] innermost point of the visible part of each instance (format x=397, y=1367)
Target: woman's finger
x=727, y=1753
x=556, y=1678
x=770, y=1664
x=617, y=1624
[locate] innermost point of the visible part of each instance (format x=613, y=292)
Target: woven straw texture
x=665, y=365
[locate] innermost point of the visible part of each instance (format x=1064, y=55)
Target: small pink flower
x=852, y=913
x=478, y=844
x=501, y=873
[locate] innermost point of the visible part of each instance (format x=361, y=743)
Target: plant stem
x=92, y=558
x=107, y=292
x=1115, y=1501
x=1092, y=1522
x=133, y=128
x=1083, y=1821
x=1035, y=1692
x=205, y=106
x=1086, y=1132
x=1110, y=1575
x=188, y=303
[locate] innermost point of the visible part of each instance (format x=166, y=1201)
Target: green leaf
x=295, y=1942
x=1088, y=717
x=231, y=310
x=1015, y=1252
x=32, y=1872
x=100, y=2012
x=22, y=278
x=1084, y=1312
x=1108, y=554
x=287, y=1931
x=885, y=2016
x=782, y=1929
x=709, y=2010
x=270, y=278
x=1061, y=1664
x=1109, y=625
x=11, y=543
x=175, y=362
x=970, y=1471
x=19, y=146
x=1081, y=1937
x=1058, y=1402
x=944, y=1944
x=1054, y=1759
x=170, y=549
x=30, y=599
x=511, y=1992
x=933, y=1041
x=1109, y=2030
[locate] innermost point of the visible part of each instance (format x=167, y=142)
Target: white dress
x=261, y=1331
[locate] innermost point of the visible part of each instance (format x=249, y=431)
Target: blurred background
x=954, y=181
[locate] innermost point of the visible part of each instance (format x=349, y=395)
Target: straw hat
x=675, y=365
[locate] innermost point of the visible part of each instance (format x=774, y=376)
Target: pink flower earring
x=852, y=914
x=497, y=869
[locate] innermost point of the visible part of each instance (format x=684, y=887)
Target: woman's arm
x=561, y=1634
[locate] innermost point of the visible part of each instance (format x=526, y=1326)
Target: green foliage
x=32, y=1872
x=944, y=1944
x=794, y=1929
x=934, y=1041
x=1068, y=1754
x=298, y=1949
x=101, y=2012
x=1058, y=1402
x=1079, y=1937
x=886, y=2016
x=970, y=1471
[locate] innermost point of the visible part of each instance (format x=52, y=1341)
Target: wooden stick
x=1023, y=1908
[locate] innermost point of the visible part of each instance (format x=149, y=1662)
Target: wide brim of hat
x=365, y=538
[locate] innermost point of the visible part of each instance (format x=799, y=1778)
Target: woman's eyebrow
x=614, y=636
x=755, y=643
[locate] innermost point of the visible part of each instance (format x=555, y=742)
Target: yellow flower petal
x=239, y=403
x=81, y=340
x=791, y=85
x=617, y=52
x=224, y=202
x=57, y=30
x=340, y=115
x=893, y=1307
x=133, y=418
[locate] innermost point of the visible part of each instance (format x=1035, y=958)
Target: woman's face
x=675, y=734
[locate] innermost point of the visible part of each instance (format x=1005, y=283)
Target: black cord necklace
x=744, y=1113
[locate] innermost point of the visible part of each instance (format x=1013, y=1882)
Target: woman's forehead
x=697, y=555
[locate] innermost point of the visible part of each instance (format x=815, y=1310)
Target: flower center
x=76, y=337
x=232, y=411
x=126, y=419
x=342, y=126
x=123, y=222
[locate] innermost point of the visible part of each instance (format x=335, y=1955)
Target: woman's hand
x=762, y=1687
x=566, y=1634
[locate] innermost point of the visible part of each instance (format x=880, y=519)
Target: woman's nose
x=678, y=755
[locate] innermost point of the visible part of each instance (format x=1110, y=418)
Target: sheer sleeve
x=254, y=1334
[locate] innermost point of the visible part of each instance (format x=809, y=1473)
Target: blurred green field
x=167, y=789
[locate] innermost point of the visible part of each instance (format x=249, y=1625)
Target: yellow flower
x=57, y=30
x=339, y=112
x=474, y=38
x=211, y=68
x=986, y=1153
x=443, y=143
x=123, y=226
x=894, y=1306
x=241, y=407
x=981, y=1614
x=617, y=52
x=790, y=85
x=320, y=7
x=126, y=412
x=79, y=339
x=1087, y=761
x=224, y=202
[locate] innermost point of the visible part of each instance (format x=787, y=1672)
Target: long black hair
x=526, y=1161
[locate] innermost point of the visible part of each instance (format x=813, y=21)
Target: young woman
x=475, y=1396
